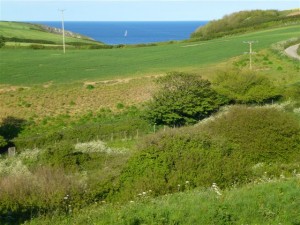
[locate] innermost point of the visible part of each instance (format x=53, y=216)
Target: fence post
x=11, y=151
x=137, y=134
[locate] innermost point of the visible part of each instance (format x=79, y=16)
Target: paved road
x=292, y=51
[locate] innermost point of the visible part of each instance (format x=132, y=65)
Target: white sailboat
x=125, y=34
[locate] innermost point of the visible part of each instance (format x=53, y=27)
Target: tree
x=2, y=41
x=182, y=99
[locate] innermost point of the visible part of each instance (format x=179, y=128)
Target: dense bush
x=35, y=46
x=262, y=133
x=24, y=40
x=101, y=46
x=3, y=142
x=2, y=41
x=223, y=150
x=246, y=87
x=182, y=99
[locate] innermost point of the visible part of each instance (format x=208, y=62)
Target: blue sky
x=132, y=10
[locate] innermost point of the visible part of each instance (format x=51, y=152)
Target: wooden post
x=137, y=134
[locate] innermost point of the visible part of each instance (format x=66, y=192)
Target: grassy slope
x=50, y=65
x=266, y=203
x=31, y=31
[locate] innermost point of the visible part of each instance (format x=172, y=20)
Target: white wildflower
x=216, y=189
x=97, y=146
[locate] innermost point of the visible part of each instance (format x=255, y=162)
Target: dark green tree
x=182, y=99
x=3, y=142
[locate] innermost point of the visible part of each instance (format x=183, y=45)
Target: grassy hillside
x=270, y=202
x=245, y=21
x=43, y=66
x=17, y=32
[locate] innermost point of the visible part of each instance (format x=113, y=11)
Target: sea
x=114, y=33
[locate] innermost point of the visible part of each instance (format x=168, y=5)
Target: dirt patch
x=119, y=81
x=294, y=13
x=5, y=89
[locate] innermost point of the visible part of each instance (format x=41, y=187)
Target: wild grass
x=272, y=201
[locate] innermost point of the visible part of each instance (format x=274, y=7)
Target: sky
x=132, y=10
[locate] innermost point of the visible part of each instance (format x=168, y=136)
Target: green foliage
x=90, y=87
x=265, y=203
x=36, y=46
x=25, y=40
x=2, y=41
x=241, y=22
x=263, y=134
x=11, y=127
x=182, y=99
x=246, y=87
x=104, y=125
x=23, y=196
x=3, y=142
x=101, y=46
x=120, y=105
x=222, y=150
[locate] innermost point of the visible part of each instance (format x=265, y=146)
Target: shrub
x=262, y=133
x=101, y=47
x=36, y=46
x=222, y=150
x=2, y=41
x=3, y=142
x=246, y=87
x=90, y=87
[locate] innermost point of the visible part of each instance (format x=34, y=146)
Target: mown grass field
x=28, y=67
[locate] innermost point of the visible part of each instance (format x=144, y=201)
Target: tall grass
x=272, y=202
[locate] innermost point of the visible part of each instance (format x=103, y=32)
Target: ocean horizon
x=132, y=32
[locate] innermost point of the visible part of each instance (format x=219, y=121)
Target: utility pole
x=63, y=28
x=250, y=51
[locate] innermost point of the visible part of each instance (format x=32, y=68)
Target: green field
x=34, y=32
x=27, y=66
